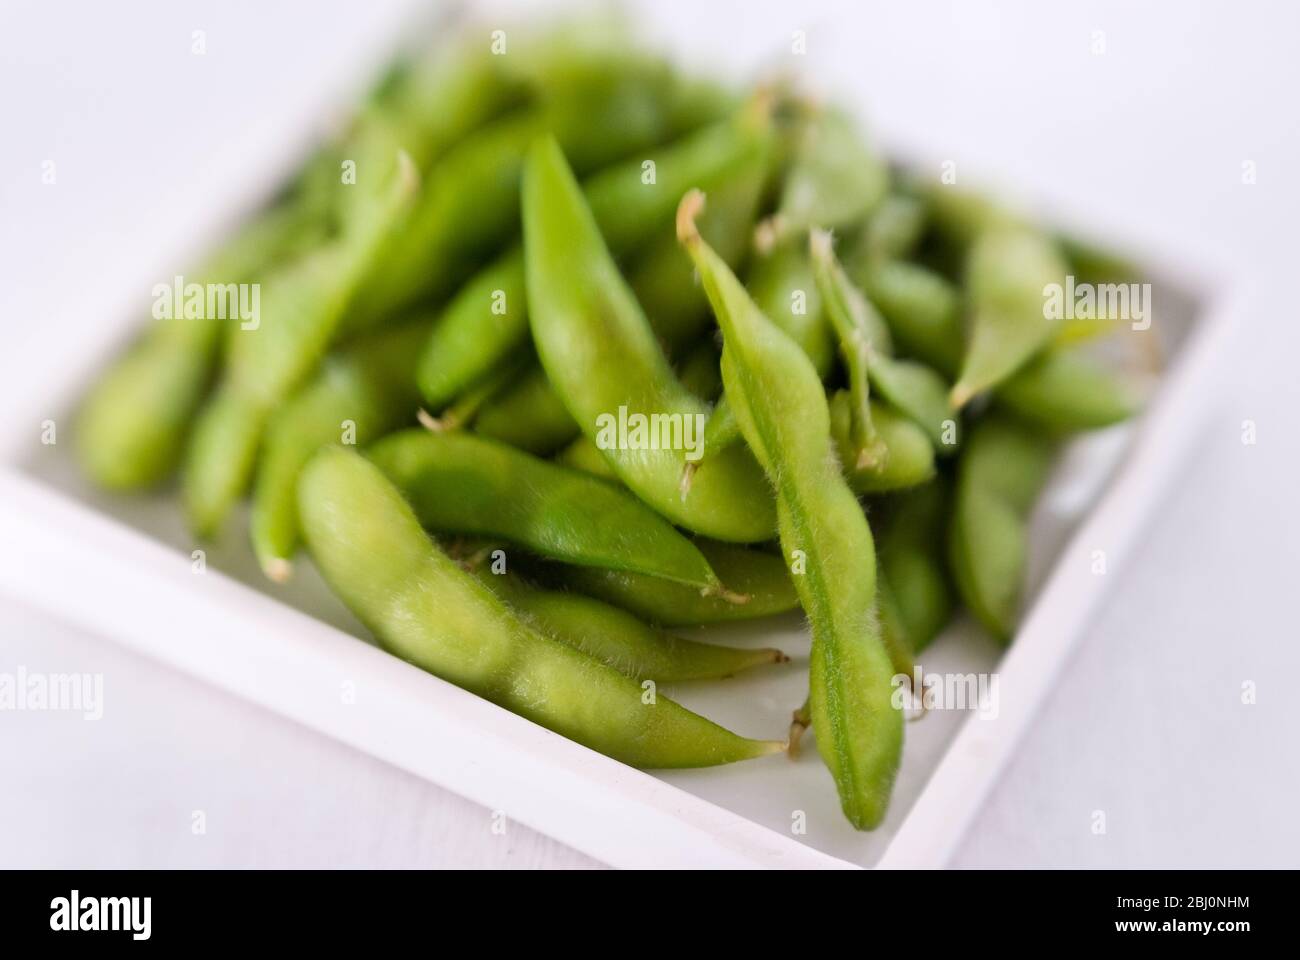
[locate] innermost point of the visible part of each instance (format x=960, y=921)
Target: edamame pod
x=1065, y=391
x=132, y=425
x=781, y=407
x=471, y=205
x=360, y=393
x=784, y=286
x=699, y=374
x=487, y=319
x=619, y=639
x=761, y=576
x=835, y=180
x=662, y=277
x=912, y=388
x=912, y=568
x=528, y=415
x=892, y=232
x=999, y=474
x=921, y=308
x=909, y=455
x=1008, y=272
x=423, y=608
x=861, y=334
x=583, y=455
x=459, y=483
x=300, y=314
x=602, y=359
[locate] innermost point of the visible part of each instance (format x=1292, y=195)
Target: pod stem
x=277, y=569
x=722, y=593
x=688, y=478
x=800, y=720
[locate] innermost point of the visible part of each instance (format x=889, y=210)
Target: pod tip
x=277, y=569
x=688, y=210
x=767, y=233
x=820, y=244
x=688, y=478
x=430, y=422
x=960, y=396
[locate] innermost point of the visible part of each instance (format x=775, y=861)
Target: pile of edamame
x=520, y=240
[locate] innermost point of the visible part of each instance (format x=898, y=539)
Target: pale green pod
x=1000, y=472
x=426, y=610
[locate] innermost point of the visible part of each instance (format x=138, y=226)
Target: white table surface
x=1148, y=723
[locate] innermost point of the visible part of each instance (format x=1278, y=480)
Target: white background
x=1148, y=138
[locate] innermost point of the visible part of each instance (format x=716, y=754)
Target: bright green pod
x=921, y=309
x=999, y=475
x=602, y=358
x=760, y=576
x=361, y=392
x=781, y=406
x=784, y=286
x=422, y=607
x=131, y=427
x=862, y=336
x=892, y=232
x=912, y=567
x=662, y=276
x=1066, y=390
x=911, y=388
x=301, y=309
x=528, y=415
x=460, y=483
x=483, y=324
x=584, y=455
x=471, y=206
x=908, y=457
x=1008, y=274
x=617, y=638
x=835, y=180
x=487, y=319
x=698, y=369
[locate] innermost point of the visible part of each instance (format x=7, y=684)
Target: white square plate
x=123, y=568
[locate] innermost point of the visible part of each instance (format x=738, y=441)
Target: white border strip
x=115, y=582
x=938, y=821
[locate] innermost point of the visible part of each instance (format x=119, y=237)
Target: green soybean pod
x=783, y=284
x=999, y=474
x=602, y=358
x=835, y=180
x=1067, y=390
x=781, y=407
x=699, y=373
x=661, y=277
x=131, y=426
x=528, y=415
x=471, y=206
x=423, y=608
x=761, y=576
x=698, y=369
x=460, y=483
x=1008, y=274
x=910, y=537
x=908, y=457
x=584, y=455
x=921, y=308
x=488, y=319
x=483, y=324
x=892, y=232
x=862, y=335
x=911, y=388
x=300, y=315
x=360, y=393
x=617, y=638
